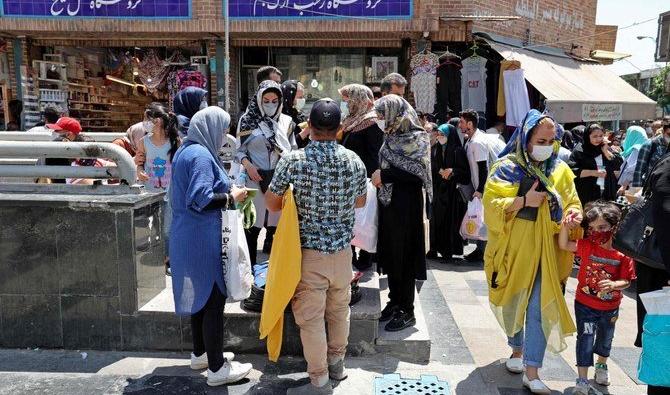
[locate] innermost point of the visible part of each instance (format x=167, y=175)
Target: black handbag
x=636, y=236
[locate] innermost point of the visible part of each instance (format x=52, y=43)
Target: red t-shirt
x=597, y=264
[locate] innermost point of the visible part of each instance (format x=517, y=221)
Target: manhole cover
x=393, y=384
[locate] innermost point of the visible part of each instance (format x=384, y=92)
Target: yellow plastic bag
x=284, y=272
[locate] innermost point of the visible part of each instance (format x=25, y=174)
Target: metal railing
x=124, y=170
x=47, y=136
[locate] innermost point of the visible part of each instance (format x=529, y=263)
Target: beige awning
x=578, y=91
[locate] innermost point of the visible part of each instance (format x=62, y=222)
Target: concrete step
x=156, y=320
x=411, y=344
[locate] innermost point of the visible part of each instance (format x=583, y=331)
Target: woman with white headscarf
x=199, y=190
x=404, y=162
x=265, y=134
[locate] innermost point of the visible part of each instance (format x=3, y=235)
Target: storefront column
x=17, y=50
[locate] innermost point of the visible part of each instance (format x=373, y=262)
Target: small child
x=603, y=273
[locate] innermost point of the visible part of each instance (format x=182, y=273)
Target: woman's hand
x=446, y=173
x=377, y=178
x=252, y=171
x=600, y=173
x=141, y=175
x=238, y=194
x=535, y=198
x=573, y=218
x=621, y=191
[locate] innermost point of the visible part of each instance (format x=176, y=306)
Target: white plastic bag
x=235, y=256
x=365, y=227
x=473, y=227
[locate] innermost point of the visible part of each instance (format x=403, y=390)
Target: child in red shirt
x=603, y=273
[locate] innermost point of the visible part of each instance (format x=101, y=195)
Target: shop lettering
x=98, y=8
x=320, y=8
x=601, y=112
x=567, y=20
x=473, y=84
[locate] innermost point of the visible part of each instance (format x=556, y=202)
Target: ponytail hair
x=170, y=124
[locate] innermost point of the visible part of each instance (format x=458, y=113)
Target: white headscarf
x=207, y=128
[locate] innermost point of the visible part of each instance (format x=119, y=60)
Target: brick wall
x=555, y=23
x=605, y=37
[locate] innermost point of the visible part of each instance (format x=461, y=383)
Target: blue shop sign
x=321, y=9
x=136, y=9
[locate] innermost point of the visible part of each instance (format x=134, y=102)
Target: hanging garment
x=284, y=272
x=473, y=84
x=504, y=66
x=188, y=78
x=517, y=104
x=423, y=81
x=448, y=91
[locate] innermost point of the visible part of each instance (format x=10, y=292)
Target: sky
x=624, y=13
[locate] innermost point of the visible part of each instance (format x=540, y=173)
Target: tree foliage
x=660, y=88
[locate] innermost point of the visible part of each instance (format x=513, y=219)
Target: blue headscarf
x=515, y=163
x=186, y=104
x=446, y=129
x=635, y=137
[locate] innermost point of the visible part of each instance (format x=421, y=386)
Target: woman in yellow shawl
x=528, y=193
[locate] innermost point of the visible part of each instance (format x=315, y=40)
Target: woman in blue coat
x=200, y=189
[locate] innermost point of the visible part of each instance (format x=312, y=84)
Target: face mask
x=542, y=152
x=203, y=105
x=648, y=130
x=270, y=109
x=442, y=140
x=55, y=135
x=300, y=104
x=601, y=237
x=381, y=123
x=344, y=108
x=148, y=126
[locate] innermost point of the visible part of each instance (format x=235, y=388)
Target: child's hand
x=606, y=285
x=572, y=220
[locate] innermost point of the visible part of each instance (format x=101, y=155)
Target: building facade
x=324, y=41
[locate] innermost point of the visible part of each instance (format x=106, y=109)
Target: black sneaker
x=400, y=321
x=388, y=312
x=431, y=254
x=168, y=269
x=475, y=256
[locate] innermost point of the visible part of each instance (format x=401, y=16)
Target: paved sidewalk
x=468, y=349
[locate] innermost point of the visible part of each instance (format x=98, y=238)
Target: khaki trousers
x=323, y=295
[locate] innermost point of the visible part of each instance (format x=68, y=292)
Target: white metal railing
x=47, y=136
x=124, y=170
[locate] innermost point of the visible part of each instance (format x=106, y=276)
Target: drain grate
x=393, y=384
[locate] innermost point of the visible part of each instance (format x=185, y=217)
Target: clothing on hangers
x=423, y=81
x=504, y=65
x=516, y=97
x=448, y=90
x=473, y=84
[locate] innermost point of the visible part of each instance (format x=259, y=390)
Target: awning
x=579, y=91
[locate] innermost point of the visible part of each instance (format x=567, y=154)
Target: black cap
x=325, y=115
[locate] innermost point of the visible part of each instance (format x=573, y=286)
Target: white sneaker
x=230, y=372
x=514, y=365
x=199, y=363
x=536, y=386
x=602, y=376
x=581, y=389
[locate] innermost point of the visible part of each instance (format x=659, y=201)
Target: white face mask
x=344, y=109
x=300, y=104
x=55, y=135
x=148, y=126
x=381, y=123
x=203, y=105
x=270, y=109
x=542, y=152
x=442, y=139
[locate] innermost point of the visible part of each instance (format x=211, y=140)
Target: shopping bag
x=365, y=226
x=654, y=365
x=284, y=272
x=473, y=227
x=235, y=256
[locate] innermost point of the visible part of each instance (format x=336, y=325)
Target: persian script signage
x=138, y=9
x=601, y=112
x=320, y=9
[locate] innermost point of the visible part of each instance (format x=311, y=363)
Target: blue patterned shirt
x=327, y=178
x=650, y=153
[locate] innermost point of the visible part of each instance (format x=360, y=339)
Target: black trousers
x=402, y=286
x=252, y=241
x=207, y=330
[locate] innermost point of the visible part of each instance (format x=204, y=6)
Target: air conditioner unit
x=663, y=38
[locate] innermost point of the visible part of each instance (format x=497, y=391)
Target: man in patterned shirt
x=329, y=181
x=650, y=153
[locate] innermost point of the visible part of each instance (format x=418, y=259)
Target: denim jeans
x=532, y=340
x=595, y=331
